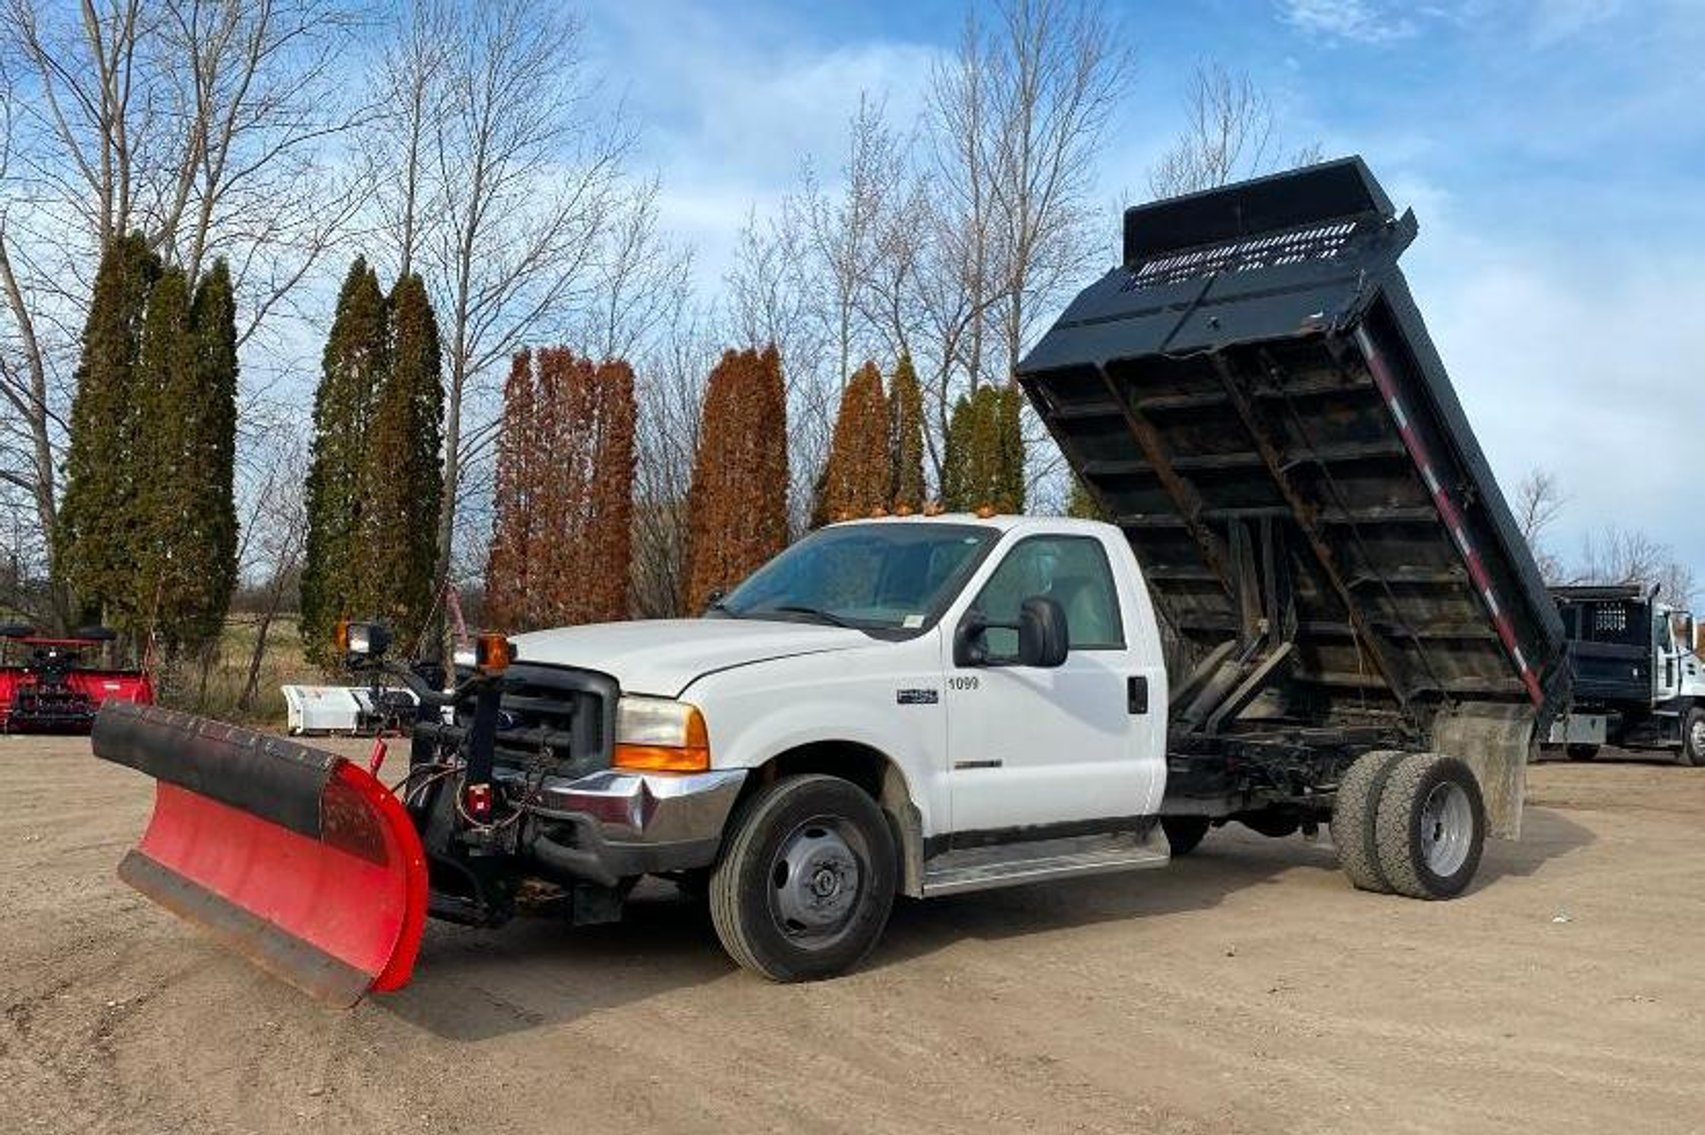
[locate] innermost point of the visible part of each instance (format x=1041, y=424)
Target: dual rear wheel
x=1409, y=823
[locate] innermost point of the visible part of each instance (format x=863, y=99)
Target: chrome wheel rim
x=1447, y=829
x=1696, y=737
x=815, y=880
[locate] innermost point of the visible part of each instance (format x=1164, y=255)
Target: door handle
x=1137, y=694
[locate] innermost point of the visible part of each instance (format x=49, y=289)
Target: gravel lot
x=1245, y=989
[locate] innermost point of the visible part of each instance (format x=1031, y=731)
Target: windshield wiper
x=816, y=613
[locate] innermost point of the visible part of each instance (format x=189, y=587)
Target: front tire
x=1431, y=827
x=1693, y=738
x=1581, y=752
x=805, y=882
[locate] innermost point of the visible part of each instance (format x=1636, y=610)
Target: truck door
x=1032, y=746
x=1666, y=657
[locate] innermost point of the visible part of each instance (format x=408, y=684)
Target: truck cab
x=1636, y=681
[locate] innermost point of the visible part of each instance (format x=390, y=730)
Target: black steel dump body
x=1609, y=643
x=1253, y=398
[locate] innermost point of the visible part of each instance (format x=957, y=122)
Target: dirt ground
x=1247, y=988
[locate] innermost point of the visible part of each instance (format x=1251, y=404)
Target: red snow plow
x=302, y=861
x=50, y=685
x=306, y=863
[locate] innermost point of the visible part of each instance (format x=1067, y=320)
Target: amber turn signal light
x=493, y=653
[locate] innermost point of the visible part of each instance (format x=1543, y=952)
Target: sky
x=1553, y=151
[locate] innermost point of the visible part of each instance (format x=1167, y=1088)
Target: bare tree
x=774, y=295
x=843, y=228
x=410, y=93
x=204, y=124
x=527, y=194
x=1057, y=72
x=1539, y=501
x=1231, y=132
x=1623, y=555
x=642, y=281
x=275, y=531
x=671, y=384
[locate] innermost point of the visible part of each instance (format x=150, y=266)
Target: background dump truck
x=1635, y=680
x=1252, y=397
x=932, y=705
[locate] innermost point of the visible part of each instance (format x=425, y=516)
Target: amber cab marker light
x=984, y=511
x=493, y=653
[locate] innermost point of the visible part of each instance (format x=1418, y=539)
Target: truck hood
x=664, y=656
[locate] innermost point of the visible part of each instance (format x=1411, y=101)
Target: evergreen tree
x=737, y=505
x=508, y=572
x=95, y=551
x=906, y=438
x=165, y=380
x=402, y=479
x=207, y=534
x=351, y=368
x=562, y=549
x=857, y=475
x=1082, y=504
x=985, y=452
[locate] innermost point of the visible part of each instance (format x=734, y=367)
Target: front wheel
x=1581, y=752
x=1693, y=738
x=805, y=881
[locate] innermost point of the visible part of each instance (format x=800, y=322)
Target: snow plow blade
x=301, y=860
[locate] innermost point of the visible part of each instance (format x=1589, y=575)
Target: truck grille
x=554, y=719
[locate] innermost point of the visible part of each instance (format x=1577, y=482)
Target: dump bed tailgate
x=1257, y=360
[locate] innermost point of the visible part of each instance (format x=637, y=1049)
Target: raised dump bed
x=1253, y=398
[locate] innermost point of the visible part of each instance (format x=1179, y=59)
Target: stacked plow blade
x=299, y=859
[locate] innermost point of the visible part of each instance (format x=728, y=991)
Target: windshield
x=870, y=576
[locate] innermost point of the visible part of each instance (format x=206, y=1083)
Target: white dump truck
x=932, y=705
x=1635, y=680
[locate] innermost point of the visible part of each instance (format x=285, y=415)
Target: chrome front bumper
x=635, y=823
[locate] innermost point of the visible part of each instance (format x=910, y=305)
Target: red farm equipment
x=52, y=684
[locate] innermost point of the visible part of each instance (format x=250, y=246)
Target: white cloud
x=1557, y=20
x=728, y=117
x=1576, y=359
x=1362, y=21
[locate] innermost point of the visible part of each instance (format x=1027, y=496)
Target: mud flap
x=1494, y=739
x=302, y=861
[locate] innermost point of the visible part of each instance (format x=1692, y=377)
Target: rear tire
x=1184, y=833
x=1693, y=738
x=1354, y=819
x=1431, y=827
x=804, y=884
x=1581, y=752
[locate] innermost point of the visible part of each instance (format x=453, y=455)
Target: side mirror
x=969, y=649
x=1042, y=638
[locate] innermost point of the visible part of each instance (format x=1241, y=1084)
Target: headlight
x=362, y=640
x=660, y=735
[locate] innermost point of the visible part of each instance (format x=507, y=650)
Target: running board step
x=1009, y=864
